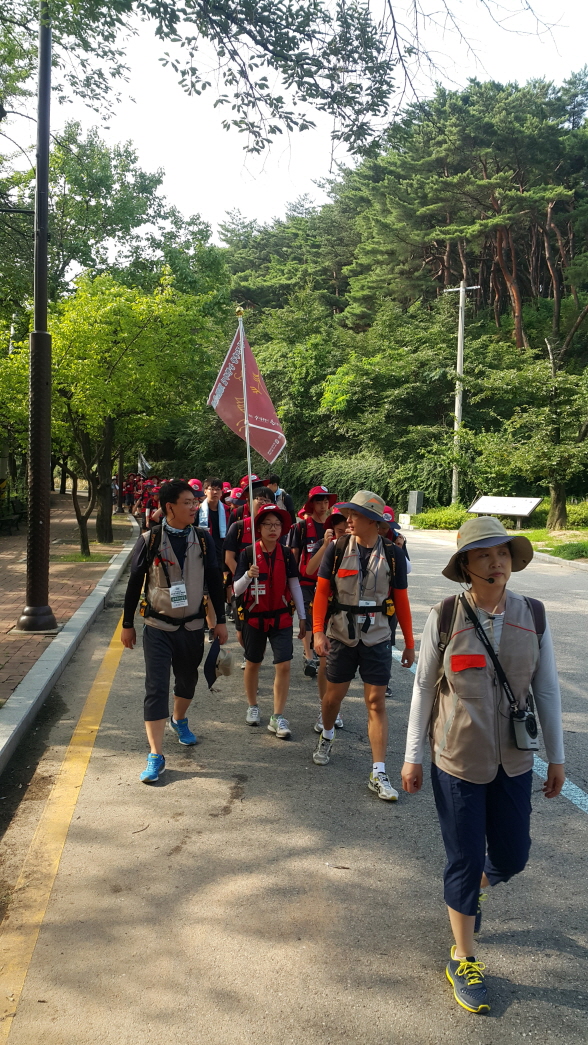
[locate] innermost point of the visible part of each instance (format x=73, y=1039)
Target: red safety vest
x=272, y=610
x=307, y=551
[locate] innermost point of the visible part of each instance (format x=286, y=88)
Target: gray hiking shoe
x=280, y=726
x=321, y=755
x=252, y=717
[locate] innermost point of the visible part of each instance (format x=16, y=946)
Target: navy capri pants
x=485, y=828
x=164, y=651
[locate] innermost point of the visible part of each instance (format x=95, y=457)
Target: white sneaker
x=382, y=786
x=243, y=663
x=280, y=726
x=252, y=717
x=318, y=726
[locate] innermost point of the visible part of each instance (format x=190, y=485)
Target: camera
x=525, y=730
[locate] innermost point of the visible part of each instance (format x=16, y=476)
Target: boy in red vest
x=269, y=614
x=305, y=540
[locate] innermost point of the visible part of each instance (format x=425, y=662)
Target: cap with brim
x=488, y=532
x=366, y=503
x=272, y=509
x=318, y=491
x=335, y=516
x=218, y=662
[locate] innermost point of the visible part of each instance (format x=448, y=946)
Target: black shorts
x=255, y=641
x=374, y=662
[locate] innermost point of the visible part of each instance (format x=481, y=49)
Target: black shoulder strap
x=390, y=557
x=538, y=610
x=153, y=544
x=446, y=621
x=249, y=554
x=200, y=532
x=340, y=548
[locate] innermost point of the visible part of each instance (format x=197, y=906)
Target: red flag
x=265, y=431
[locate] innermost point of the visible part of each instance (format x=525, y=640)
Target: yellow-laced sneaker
x=467, y=979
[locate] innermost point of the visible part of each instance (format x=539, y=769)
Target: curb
x=556, y=561
x=23, y=705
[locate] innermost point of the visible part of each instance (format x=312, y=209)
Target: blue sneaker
x=467, y=979
x=155, y=767
x=182, y=731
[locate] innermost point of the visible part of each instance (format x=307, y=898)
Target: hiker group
x=486, y=662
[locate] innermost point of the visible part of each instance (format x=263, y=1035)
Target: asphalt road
x=252, y=897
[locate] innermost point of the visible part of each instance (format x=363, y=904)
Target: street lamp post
x=37, y=614
x=461, y=290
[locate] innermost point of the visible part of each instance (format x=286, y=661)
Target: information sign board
x=517, y=507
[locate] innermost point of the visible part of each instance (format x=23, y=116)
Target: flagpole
x=246, y=412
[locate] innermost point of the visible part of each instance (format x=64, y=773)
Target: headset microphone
x=489, y=580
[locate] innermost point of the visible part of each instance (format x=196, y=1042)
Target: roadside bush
x=450, y=518
x=578, y=514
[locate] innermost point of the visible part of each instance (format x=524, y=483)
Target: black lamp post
x=37, y=614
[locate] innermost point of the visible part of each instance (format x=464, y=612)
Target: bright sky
x=206, y=169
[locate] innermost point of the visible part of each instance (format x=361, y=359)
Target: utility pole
x=37, y=614
x=461, y=290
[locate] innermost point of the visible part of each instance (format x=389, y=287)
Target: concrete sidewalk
x=69, y=584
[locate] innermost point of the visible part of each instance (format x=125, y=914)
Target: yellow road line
x=20, y=929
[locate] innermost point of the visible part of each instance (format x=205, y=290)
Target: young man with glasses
x=267, y=613
x=172, y=564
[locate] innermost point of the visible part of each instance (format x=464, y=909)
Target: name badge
x=361, y=617
x=178, y=596
x=260, y=588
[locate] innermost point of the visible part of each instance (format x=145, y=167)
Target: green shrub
x=573, y=550
x=578, y=514
x=450, y=518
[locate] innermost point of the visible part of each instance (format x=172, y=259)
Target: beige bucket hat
x=366, y=503
x=487, y=532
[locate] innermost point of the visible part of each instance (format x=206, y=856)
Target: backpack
x=448, y=612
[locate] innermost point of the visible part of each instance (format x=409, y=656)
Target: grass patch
x=572, y=550
x=77, y=557
x=566, y=544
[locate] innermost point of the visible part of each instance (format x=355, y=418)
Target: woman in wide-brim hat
x=481, y=769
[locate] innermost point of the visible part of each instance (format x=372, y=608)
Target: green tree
x=125, y=363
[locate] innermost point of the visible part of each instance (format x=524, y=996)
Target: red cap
x=195, y=484
x=319, y=491
x=388, y=514
x=245, y=480
x=333, y=517
x=282, y=514
x=226, y=486
x=236, y=494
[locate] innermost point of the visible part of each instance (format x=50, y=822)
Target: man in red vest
x=267, y=614
x=305, y=540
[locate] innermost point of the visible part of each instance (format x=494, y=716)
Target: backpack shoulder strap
x=391, y=559
x=447, y=615
x=249, y=554
x=340, y=548
x=153, y=544
x=202, y=541
x=538, y=610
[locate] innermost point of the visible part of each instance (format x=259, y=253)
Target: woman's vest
x=273, y=608
x=157, y=604
x=471, y=732
x=349, y=622
x=310, y=544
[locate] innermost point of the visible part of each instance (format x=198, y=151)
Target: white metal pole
x=248, y=444
x=458, y=390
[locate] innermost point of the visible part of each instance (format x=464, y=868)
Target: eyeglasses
x=272, y=526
